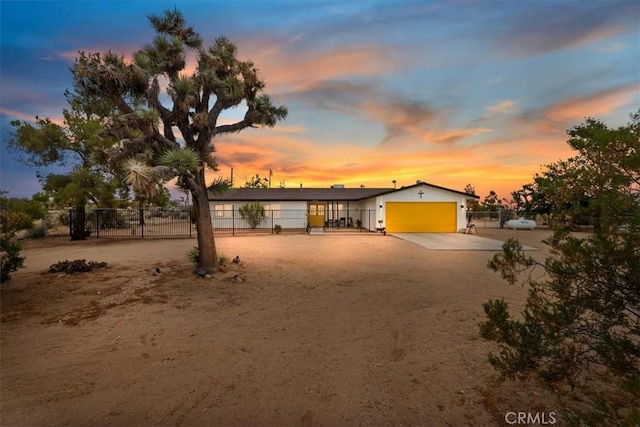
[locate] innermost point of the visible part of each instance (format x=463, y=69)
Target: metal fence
x=157, y=222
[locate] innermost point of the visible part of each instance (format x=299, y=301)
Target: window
x=222, y=211
x=272, y=210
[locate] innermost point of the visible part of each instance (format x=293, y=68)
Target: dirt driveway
x=332, y=330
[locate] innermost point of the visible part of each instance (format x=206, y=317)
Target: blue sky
x=450, y=92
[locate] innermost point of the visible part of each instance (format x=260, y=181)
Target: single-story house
x=418, y=208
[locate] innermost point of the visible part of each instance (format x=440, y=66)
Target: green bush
x=253, y=213
x=10, y=259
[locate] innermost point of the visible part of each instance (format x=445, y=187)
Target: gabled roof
x=319, y=194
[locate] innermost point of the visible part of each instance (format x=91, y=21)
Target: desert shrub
x=277, y=229
x=109, y=218
x=253, y=213
x=38, y=231
x=76, y=266
x=193, y=255
x=10, y=259
x=12, y=219
x=222, y=259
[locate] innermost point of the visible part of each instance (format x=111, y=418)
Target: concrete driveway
x=454, y=241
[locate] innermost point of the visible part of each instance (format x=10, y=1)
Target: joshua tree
x=185, y=129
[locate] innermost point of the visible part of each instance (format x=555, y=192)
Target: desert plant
x=222, y=259
x=277, y=229
x=38, y=231
x=253, y=213
x=10, y=259
x=193, y=255
x=12, y=218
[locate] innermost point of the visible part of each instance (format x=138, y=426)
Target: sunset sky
x=449, y=92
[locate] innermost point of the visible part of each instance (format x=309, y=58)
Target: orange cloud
x=13, y=114
x=295, y=70
x=599, y=103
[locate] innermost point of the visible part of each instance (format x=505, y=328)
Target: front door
x=316, y=214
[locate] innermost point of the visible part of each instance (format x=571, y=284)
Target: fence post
x=189, y=223
x=141, y=221
x=233, y=222
x=271, y=221
x=97, y=224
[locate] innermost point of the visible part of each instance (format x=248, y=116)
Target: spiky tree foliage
x=220, y=81
x=581, y=321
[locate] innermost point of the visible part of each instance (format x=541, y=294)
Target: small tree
x=581, y=321
x=253, y=213
x=78, y=144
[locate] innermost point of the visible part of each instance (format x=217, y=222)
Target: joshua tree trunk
x=207, y=256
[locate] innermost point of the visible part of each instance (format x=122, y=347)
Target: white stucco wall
x=287, y=214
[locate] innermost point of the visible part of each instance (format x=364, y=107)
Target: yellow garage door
x=426, y=217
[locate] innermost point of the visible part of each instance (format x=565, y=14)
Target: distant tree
x=282, y=184
x=581, y=320
x=253, y=213
x=78, y=145
x=256, y=182
x=491, y=201
x=220, y=82
x=529, y=200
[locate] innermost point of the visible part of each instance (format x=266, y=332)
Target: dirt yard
x=330, y=330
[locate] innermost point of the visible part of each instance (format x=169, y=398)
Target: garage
x=425, y=217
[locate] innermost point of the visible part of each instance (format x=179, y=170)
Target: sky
x=449, y=92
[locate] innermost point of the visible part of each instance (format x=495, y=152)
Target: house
x=418, y=208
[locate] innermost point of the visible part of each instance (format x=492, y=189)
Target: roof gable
x=419, y=184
